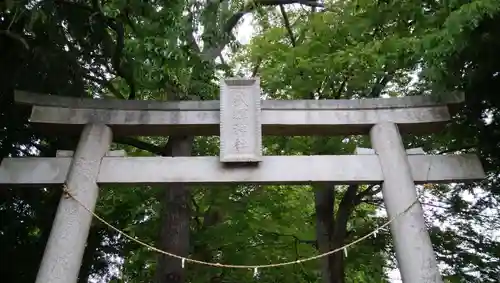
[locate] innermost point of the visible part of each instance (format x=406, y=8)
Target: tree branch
x=105, y=83
x=368, y=192
x=343, y=213
x=197, y=212
x=376, y=202
x=297, y=239
x=17, y=37
x=212, y=52
x=225, y=67
x=287, y=26
x=122, y=66
x=140, y=145
x=380, y=85
x=339, y=91
x=190, y=36
x=118, y=60
x=310, y=3
x=256, y=67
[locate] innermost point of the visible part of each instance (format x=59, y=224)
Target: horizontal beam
x=415, y=114
x=111, y=153
x=274, y=122
x=24, y=97
x=339, y=169
x=365, y=150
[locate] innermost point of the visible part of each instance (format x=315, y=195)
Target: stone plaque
x=240, y=122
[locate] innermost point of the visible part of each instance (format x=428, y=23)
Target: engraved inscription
x=240, y=118
x=240, y=122
x=240, y=106
x=241, y=142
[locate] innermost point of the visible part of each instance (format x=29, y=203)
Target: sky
x=245, y=30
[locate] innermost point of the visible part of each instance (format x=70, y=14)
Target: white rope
x=254, y=267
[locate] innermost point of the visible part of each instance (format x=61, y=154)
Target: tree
x=469, y=243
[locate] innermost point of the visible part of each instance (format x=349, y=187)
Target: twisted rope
x=220, y=265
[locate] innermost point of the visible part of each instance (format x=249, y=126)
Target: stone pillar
x=416, y=259
x=64, y=251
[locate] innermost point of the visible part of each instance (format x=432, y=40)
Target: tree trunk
x=340, y=231
x=331, y=233
x=175, y=219
x=324, y=199
x=337, y=273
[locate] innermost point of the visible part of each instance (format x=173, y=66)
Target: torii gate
x=240, y=117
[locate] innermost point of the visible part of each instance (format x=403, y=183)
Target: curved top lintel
x=24, y=97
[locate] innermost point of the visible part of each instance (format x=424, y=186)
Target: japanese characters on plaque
x=240, y=127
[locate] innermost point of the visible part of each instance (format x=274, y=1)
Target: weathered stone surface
x=64, y=251
x=240, y=127
x=325, y=104
x=34, y=170
x=365, y=150
x=272, y=170
x=274, y=122
x=112, y=153
x=416, y=114
x=416, y=259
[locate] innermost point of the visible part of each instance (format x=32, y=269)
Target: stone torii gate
x=241, y=118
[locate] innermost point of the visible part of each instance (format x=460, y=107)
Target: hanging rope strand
x=220, y=265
